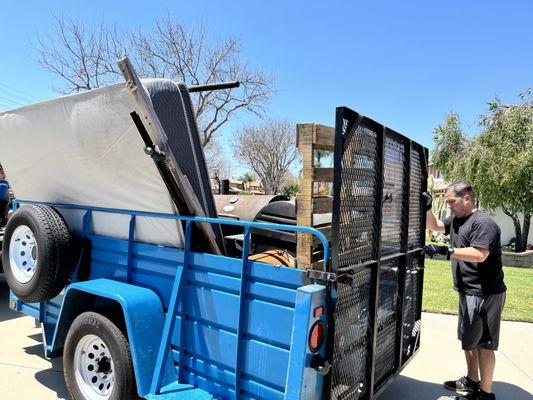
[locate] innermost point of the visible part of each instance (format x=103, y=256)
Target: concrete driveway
x=441, y=358
x=26, y=375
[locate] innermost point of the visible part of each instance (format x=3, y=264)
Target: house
x=236, y=184
x=255, y=187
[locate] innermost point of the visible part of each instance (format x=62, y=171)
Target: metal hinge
x=321, y=275
x=154, y=152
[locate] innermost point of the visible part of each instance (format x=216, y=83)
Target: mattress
x=85, y=149
x=172, y=104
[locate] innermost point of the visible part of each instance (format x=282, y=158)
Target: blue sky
x=405, y=64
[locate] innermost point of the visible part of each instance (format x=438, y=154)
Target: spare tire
x=36, y=253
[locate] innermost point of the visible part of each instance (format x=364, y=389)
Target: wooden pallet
x=312, y=137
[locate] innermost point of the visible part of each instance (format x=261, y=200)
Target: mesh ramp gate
x=378, y=235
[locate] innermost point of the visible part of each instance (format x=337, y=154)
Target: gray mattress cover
x=85, y=149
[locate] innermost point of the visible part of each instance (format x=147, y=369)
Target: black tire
x=54, y=252
x=91, y=323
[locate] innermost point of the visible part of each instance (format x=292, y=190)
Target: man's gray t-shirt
x=476, y=230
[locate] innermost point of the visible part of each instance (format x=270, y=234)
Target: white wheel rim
x=94, y=370
x=23, y=254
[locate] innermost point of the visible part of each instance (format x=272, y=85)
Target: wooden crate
x=312, y=137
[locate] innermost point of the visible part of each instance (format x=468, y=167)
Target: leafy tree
x=451, y=146
x=498, y=161
x=247, y=177
x=291, y=189
x=438, y=206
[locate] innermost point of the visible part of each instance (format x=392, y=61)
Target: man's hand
x=432, y=249
x=427, y=200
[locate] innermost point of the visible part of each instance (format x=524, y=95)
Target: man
x=475, y=253
x=4, y=197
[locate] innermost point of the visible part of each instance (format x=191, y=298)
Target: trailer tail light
x=316, y=336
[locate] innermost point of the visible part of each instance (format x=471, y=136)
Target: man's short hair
x=461, y=188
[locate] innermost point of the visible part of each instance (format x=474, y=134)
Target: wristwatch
x=450, y=251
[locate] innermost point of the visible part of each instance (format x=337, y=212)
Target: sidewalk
x=441, y=358
x=26, y=375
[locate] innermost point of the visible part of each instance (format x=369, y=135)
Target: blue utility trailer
x=134, y=317
x=198, y=325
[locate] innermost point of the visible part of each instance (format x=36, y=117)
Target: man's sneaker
x=463, y=384
x=477, y=395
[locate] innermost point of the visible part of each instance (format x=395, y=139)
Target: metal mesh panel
x=411, y=319
x=351, y=337
x=357, y=243
x=370, y=230
x=414, y=200
x=386, y=335
x=392, y=196
x=357, y=217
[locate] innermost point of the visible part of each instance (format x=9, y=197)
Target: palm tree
x=247, y=177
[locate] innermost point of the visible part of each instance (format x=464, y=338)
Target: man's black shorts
x=479, y=321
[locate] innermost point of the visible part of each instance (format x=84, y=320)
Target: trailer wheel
x=36, y=253
x=97, y=360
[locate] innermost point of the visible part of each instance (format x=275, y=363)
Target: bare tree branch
x=85, y=58
x=268, y=150
x=217, y=162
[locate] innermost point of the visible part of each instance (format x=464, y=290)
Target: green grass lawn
x=440, y=297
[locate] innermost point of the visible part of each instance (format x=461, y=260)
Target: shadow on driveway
x=52, y=378
x=405, y=388
x=5, y=312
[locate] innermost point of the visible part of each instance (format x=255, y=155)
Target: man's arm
x=436, y=225
x=483, y=235
x=470, y=254
x=432, y=222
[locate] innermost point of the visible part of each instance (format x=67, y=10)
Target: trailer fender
x=144, y=319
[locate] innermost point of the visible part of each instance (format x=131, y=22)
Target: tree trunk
x=517, y=231
x=522, y=245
